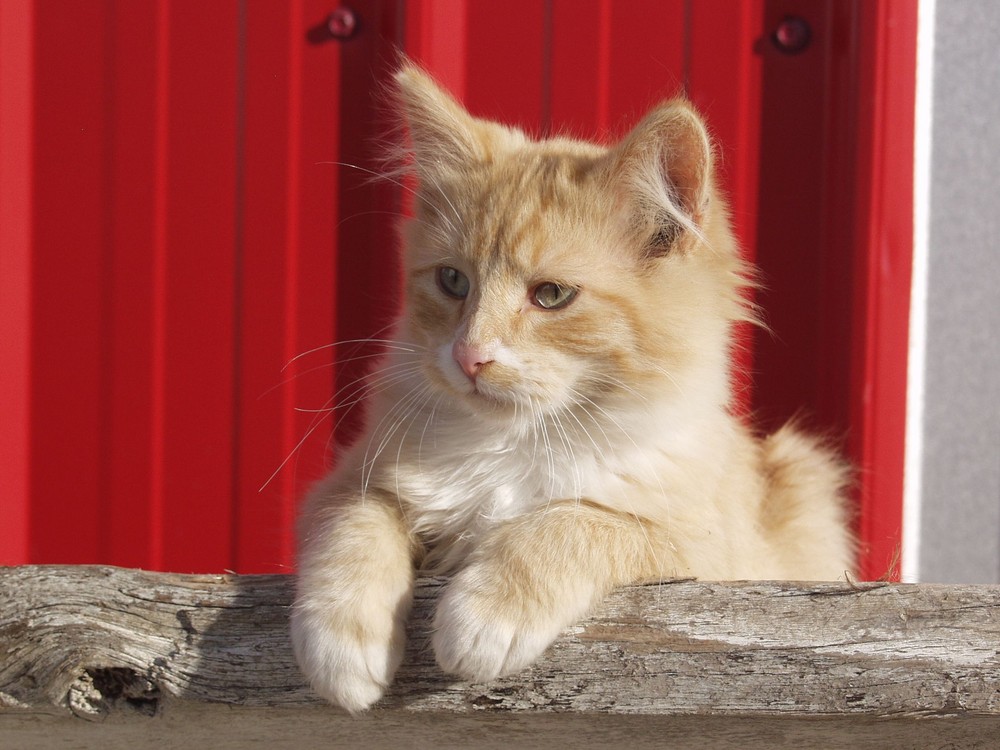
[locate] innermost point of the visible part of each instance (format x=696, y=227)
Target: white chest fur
x=458, y=474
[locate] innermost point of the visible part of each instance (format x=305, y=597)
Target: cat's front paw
x=349, y=658
x=481, y=635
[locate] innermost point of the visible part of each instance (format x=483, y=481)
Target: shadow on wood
x=114, y=657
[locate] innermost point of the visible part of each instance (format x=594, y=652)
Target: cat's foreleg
x=529, y=579
x=353, y=596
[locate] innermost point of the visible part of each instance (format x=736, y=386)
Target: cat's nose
x=470, y=358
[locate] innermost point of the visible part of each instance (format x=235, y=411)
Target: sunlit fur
x=595, y=448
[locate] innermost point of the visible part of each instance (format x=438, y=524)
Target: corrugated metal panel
x=185, y=247
x=201, y=217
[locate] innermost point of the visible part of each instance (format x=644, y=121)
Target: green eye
x=453, y=282
x=552, y=296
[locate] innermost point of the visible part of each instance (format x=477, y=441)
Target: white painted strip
x=916, y=368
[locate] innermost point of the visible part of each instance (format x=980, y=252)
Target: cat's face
x=516, y=287
x=542, y=274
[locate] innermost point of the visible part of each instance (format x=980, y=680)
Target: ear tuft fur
x=666, y=162
x=442, y=132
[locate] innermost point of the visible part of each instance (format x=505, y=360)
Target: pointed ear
x=442, y=132
x=665, y=168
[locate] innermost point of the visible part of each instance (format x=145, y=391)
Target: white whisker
x=570, y=455
x=669, y=377
x=423, y=433
x=396, y=415
x=403, y=186
x=387, y=344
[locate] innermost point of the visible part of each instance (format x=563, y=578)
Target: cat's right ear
x=442, y=133
x=664, y=168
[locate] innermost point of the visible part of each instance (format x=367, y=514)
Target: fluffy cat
x=553, y=418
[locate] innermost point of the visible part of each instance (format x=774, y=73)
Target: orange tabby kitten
x=554, y=419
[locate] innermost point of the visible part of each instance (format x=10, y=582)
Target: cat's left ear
x=665, y=167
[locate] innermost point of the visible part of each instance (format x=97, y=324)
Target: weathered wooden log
x=113, y=654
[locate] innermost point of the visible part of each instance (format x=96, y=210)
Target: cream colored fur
x=594, y=448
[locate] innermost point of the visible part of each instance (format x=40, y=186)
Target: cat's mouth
x=487, y=400
x=483, y=396
x=507, y=405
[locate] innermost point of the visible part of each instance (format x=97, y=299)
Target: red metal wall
x=179, y=225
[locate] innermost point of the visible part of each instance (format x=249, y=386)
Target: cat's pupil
x=552, y=296
x=453, y=282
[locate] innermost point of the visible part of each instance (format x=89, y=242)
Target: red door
x=188, y=226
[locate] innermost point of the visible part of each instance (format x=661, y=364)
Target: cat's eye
x=453, y=282
x=552, y=296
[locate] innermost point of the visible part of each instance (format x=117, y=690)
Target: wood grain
x=122, y=648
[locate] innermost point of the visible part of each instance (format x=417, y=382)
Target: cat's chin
x=487, y=404
x=508, y=410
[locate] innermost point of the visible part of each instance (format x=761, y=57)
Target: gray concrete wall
x=960, y=506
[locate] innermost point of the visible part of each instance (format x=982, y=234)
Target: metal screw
x=792, y=35
x=342, y=23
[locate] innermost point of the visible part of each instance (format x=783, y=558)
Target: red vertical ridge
x=161, y=174
x=506, y=51
x=16, y=149
x=293, y=250
x=884, y=267
x=237, y=439
x=603, y=66
x=200, y=285
x=68, y=242
x=437, y=37
x=130, y=209
x=109, y=272
x=262, y=349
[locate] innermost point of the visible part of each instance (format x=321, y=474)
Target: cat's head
x=547, y=273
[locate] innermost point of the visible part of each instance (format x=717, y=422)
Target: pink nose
x=470, y=358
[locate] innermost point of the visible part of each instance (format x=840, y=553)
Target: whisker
x=669, y=377
x=423, y=398
x=403, y=186
x=533, y=422
x=599, y=378
x=451, y=205
x=398, y=407
x=597, y=448
x=549, y=458
x=315, y=426
x=325, y=366
x=434, y=230
x=367, y=388
x=430, y=418
x=372, y=172
x=389, y=344
x=570, y=454
x=401, y=407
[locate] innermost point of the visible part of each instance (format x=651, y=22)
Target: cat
x=553, y=417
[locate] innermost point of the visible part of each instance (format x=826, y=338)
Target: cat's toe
x=343, y=668
x=473, y=651
x=350, y=689
x=480, y=641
